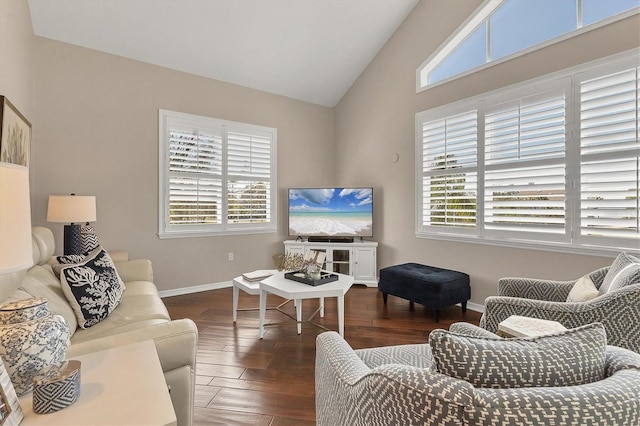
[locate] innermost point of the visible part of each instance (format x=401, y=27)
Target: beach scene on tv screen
x=331, y=212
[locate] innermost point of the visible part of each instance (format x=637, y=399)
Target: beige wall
x=16, y=55
x=97, y=115
x=95, y=132
x=376, y=118
x=17, y=63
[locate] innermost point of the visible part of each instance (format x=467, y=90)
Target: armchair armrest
x=176, y=343
x=343, y=381
x=535, y=289
x=617, y=310
x=135, y=270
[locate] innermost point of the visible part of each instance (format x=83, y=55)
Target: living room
x=94, y=119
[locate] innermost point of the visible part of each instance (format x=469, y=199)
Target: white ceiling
x=312, y=50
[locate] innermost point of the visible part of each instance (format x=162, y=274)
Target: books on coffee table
x=257, y=275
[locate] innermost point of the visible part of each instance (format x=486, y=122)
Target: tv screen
x=331, y=212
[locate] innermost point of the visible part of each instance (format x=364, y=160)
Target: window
x=551, y=162
x=216, y=177
x=501, y=29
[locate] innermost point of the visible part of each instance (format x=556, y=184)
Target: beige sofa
x=140, y=316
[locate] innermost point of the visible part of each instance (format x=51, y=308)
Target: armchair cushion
x=624, y=271
x=570, y=358
x=584, y=289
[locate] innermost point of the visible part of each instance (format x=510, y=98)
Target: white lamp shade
x=15, y=219
x=71, y=208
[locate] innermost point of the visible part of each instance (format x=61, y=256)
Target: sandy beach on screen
x=327, y=226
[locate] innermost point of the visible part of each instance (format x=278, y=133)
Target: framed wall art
x=15, y=135
x=10, y=411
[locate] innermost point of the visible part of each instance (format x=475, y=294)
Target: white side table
x=517, y=326
x=119, y=386
x=249, y=287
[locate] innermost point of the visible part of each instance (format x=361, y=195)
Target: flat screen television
x=331, y=212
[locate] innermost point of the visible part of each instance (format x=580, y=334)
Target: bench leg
x=464, y=306
x=411, y=305
x=384, y=298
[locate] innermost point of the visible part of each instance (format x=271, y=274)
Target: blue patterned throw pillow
x=70, y=259
x=93, y=287
x=569, y=358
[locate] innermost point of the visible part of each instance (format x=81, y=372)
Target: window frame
x=569, y=79
x=477, y=18
x=166, y=118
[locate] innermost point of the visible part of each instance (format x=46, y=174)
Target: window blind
x=553, y=162
x=524, y=181
x=216, y=176
x=610, y=156
x=449, y=162
x=195, y=176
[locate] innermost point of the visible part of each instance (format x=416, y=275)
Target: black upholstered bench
x=435, y=288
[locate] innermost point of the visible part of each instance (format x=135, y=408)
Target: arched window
x=502, y=29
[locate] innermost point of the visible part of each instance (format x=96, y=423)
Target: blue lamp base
x=72, y=239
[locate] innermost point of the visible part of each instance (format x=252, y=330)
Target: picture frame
x=15, y=135
x=10, y=410
x=314, y=257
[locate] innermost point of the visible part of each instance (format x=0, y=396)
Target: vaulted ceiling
x=311, y=50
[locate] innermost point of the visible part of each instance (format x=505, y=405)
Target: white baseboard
x=226, y=284
x=195, y=289
x=475, y=307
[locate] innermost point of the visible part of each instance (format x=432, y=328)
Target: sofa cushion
x=572, y=357
x=41, y=282
x=136, y=310
x=92, y=287
x=624, y=271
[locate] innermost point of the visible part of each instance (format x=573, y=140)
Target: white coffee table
x=277, y=284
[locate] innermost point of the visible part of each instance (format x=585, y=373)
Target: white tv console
x=358, y=259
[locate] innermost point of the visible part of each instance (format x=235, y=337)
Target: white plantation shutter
x=216, y=176
x=551, y=163
x=195, y=176
x=449, y=167
x=249, y=171
x=609, y=158
x=524, y=182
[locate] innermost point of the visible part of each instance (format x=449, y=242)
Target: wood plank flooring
x=243, y=380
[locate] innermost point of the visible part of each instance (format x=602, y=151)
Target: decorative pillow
x=583, y=290
x=88, y=239
x=624, y=270
x=572, y=357
x=70, y=259
x=93, y=287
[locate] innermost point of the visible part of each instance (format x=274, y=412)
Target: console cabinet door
x=364, y=269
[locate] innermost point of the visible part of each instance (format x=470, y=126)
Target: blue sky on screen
x=520, y=24
x=335, y=199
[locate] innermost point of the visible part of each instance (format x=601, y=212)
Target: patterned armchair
x=400, y=385
x=618, y=310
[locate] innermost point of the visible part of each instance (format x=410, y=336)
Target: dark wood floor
x=242, y=380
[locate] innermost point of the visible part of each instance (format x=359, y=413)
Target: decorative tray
x=325, y=277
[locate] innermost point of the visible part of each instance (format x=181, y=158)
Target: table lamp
x=72, y=210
